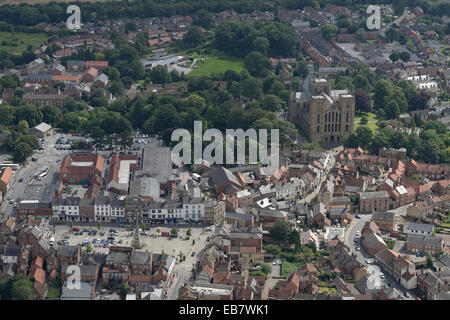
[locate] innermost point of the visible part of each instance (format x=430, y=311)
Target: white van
x=52, y=241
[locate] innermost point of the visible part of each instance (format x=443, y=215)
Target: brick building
x=370, y=202
x=81, y=168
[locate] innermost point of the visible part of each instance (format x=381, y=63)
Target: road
x=366, y=259
x=183, y=270
x=332, y=153
x=48, y=158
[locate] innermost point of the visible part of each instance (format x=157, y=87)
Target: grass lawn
x=216, y=62
x=371, y=118
x=53, y=293
x=17, y=42
x=288, y=267
x=325, y=287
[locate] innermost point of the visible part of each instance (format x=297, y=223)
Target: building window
x=347, y=117
x=318, y=118
x=318, y=128
x=346, y=127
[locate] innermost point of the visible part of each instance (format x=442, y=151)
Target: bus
x=13, y=166
x=42, y=175
x=44, y=169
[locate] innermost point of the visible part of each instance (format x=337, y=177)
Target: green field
x=288, y=267
x=372, y=121
x=215, y=63
x=17, y=42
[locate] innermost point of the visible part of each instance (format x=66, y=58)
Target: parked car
x=382, y=276
x=358, y=249
x=193, y=254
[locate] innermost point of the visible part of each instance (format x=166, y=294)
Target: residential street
x=366, y=259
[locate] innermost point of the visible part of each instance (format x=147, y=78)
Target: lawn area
x=371, y=118
x=288, y=267
x=325, y=287
x=16, y=42
x=217, y=62
x=53, y=293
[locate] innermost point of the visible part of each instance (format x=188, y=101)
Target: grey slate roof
x=428, y=228
x=416, y=240
x=140, y=257
x=221, y=175
x=67, y=251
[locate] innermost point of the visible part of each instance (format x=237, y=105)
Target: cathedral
x=324, y=115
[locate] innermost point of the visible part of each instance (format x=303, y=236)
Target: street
x=367, y=260
x=17, y=189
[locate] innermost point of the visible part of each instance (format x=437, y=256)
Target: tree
x=429, y=261
x=405, y=56
x=261, y=45
x=329, y=32
x=250, y=88
x=301, y=69
x=273, y=249
x=294, y=238
x=21, y=152
x=362, y=101
x=392, y=110
x=124, y=289
x=99, y=226
x=71, y=225
x=280, y=230
x=394, y=56
x=128, y=228
x=174, y=231
x=158, y=230
x=193, y=37
x=189, y=233
x=362, y=137
x=203, y=19
x=271, y=102
x=88, y=248
x=116, y=88
x=22, y=290
x=257, y=64
x=23, y=127
x=266, y=268
x=160, y=74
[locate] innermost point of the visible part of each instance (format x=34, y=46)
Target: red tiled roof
x=39, y=275
x=6, y=175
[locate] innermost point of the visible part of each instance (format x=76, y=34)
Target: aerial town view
x=116, y=182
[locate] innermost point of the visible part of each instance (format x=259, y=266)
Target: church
x=324, y=115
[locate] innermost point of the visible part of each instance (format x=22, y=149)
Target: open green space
x=17, y=42
x=216, y=62
x=325, y=287
x=371, y=118
x=288, y=267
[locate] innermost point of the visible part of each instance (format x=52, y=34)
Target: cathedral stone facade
x=324, y=115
